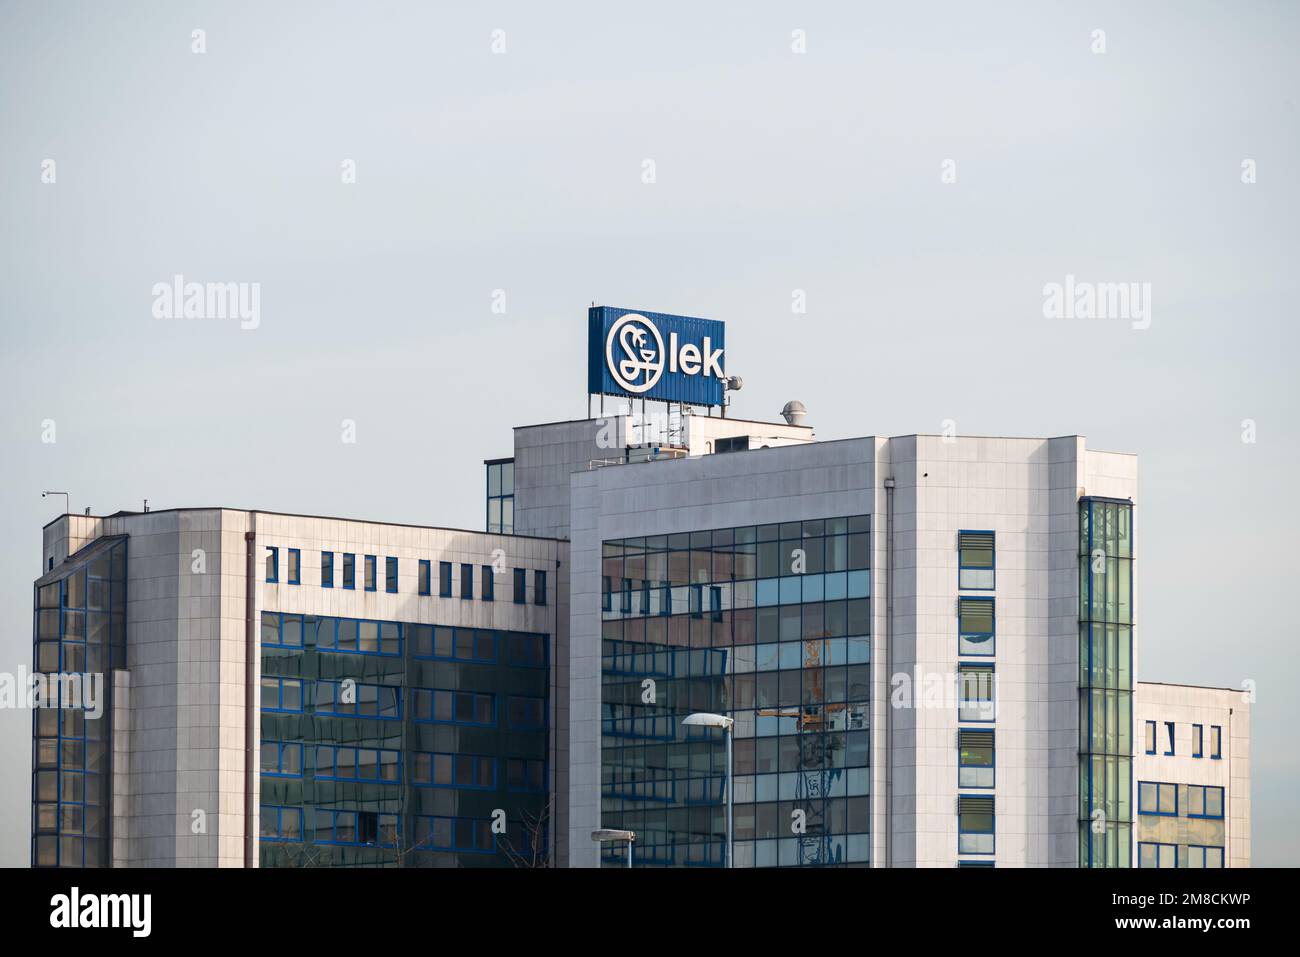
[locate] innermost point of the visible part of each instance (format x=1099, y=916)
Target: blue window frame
x=280, y=824
x=1199, y=855
x=1157, y=799
x=525, y=713
x=526, y=651
x=463, y=835
x=471, y=772
x=976, y=568
x=281, y=759
x=521, y=586
x=426, y=577
x=976, y=758
x=975, y=824
x=1169, y=728
x=1151, y=854
x=440, y=642
x=281, y=630
x=295, y=566
x=1151, y=737
x=466, y=580
x=444, y=706
x=341, y=763
x=390, y=575
x=382, y=702
x=976, y=627
x=1205, y=801
x=539, y=587
x=1198, y=740
x=354, y=636
x=444, y=579
x=356, y=828
x=349, y=571
x=607, y=593
x=372, y=573
x=525, y=774
x=282, y=694
x=1216, y=742
x=326, y=569
x=272, y=564
x=975, y=692
x=487, y=583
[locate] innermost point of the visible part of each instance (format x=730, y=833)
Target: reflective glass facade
x=770, y=625
x=501, y=496
x=402, y=745
x=80, y=633
x=1105, y=682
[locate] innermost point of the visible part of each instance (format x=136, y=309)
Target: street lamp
x=609, y=835
x=703, y=719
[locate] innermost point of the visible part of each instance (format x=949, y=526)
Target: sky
x=914, y=174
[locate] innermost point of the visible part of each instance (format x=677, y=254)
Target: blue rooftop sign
x=654, y=355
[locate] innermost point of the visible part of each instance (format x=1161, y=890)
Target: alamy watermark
x=1074, y=299
x=209, y=300
x=84, y=692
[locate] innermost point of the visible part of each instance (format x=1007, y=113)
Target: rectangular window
x=975, y=568
x=1204, y=801
x=466, y=580
x=425, y=577
x=438, y=706
x=326, y=569
x=1157, y=855
x=359, y=700
x=295, y=566
x=521, y=585
x=975, y=692
x=1155, y=798
x=472, y=771
x=272, y=564
x=281, y=759
x=539, y=587
x=390, y=575
x=358, y=764
x=1200, y=856
x=1150, y=732
x=349, y=570
x=1169, y=728
x=487, y=586
x=444, y=579
x=527, y=651
x=526, y=713
x=1216, y=741
x=371, y=573
x=975, y=759
x=523, y=774
x=280, y=823
x=975, y=626
x=975, y=824
x=282, y=694
x=461, y=834
x=1198, y=740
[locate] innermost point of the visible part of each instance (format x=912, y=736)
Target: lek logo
x=635, y=355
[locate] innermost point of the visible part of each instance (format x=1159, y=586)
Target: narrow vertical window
x=1169, y=729
x=349, y=570
x=488, y=587
x=390, y=575
x=326, y=569
x=425, y=577
x=371, y=573
x=295, y=566
x=1216, y=742
x=466, y=580
x=272, y=564
x=521, y=586
x=539, y=587
x=1198, y=740
x=1151, y=737
x=975, y=560
x=444, y=579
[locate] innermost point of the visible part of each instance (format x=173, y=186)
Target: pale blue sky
x=775, y=172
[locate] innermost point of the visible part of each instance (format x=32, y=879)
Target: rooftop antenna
x=67, y=507
x=146, y=505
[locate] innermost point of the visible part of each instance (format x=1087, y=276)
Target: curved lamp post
x=705, y=719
